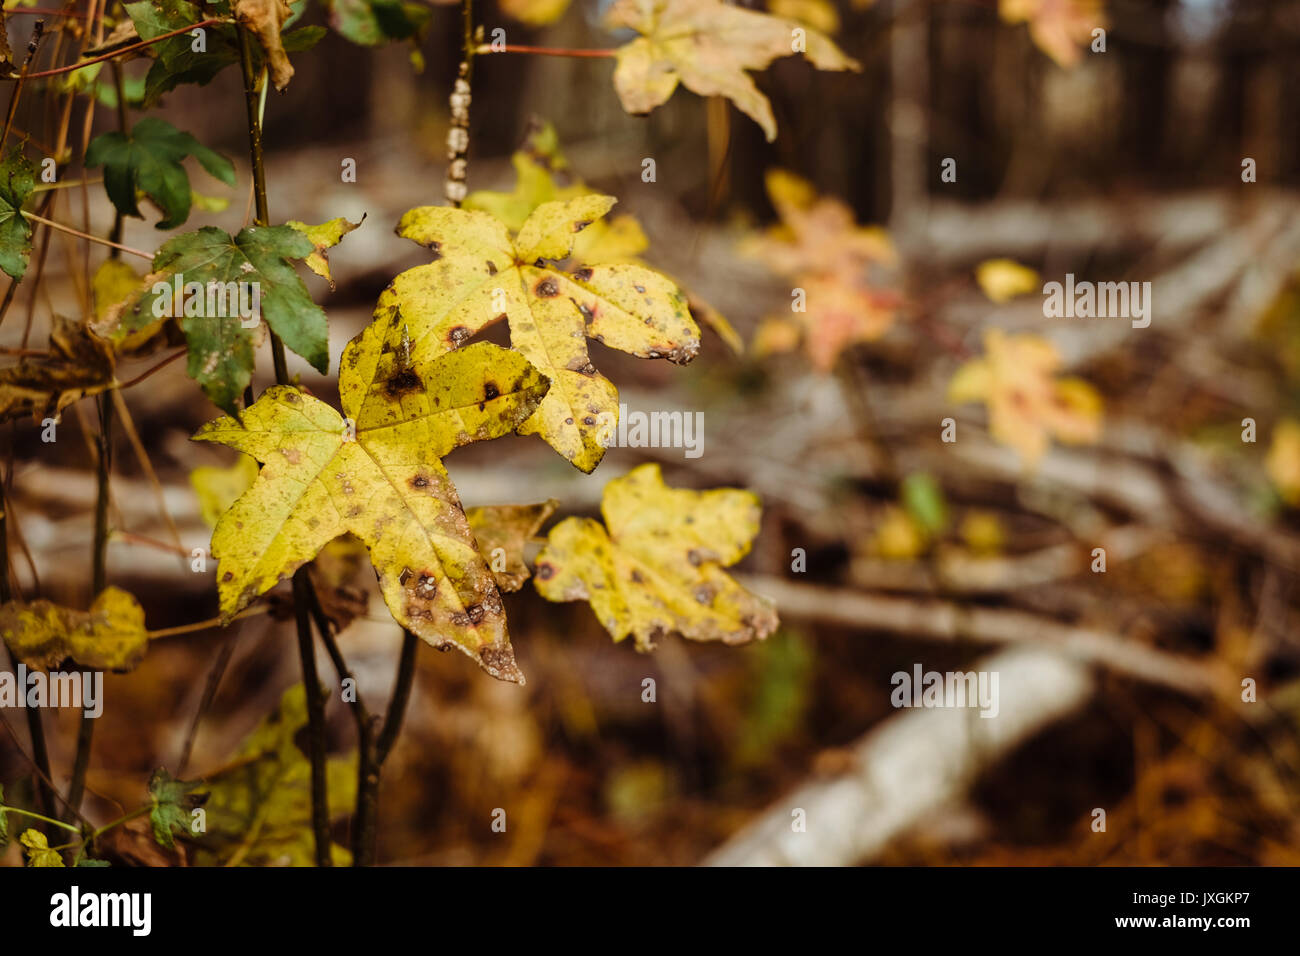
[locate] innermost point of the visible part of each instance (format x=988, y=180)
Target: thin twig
x=126, y=49
x=545, y=51
x=89, y=238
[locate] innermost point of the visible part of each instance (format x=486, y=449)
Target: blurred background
x=883, y=546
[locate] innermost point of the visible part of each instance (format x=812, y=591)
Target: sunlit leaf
x=480, y=275
x=379, y=475
x=655, y=566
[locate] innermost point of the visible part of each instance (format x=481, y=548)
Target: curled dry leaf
x=79, y=364
x=110, y=636
x=265, y=18
x=708, y=45
x=503, y=533
x=655, y=566
x=480, y=275
x=379, y=475
x=1028, y=404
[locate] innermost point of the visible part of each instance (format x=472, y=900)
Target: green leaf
x=375, y=22
x=221, y=349
x=924, y=501
x=17, y=180
x=172, y=803
x=175, y=60
x=4, y=821
x=149, y=160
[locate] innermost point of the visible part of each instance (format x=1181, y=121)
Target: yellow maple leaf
x=1058, y=27
x=480, y=275
x=655, y=566
x=378, y=474
x=1028, y=405
x=708, y=45
x=110, y=636
x=542, y=175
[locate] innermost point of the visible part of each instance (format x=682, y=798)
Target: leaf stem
x=545, y=51
x=302, y=586
x=87, y=236
x=99, y=579
x=126, y=49
x=40, y=816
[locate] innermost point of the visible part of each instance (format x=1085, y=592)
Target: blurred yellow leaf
x=1004, y=279
x=535, y=13
x=898, y=537
x=982, y=531
x=217, y=488
x=1283, y=462
x=832, y=264
x=1028, y=405
x=818, y=14
x=1058, y=27
x=708, y=45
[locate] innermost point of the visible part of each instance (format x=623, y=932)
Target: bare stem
x=546, y=51
x=302, y=587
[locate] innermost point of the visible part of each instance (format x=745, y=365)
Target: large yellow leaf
x=655, y=566
x=479, y=275
x=110, y=636
x=386, y=485
x=708, y=45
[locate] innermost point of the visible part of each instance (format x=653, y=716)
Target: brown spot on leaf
x=458, y=336
x=546, y=289
x=492, y=268
x=490, y=391
x=583, y=274
x=401, y=382
x=545, y=571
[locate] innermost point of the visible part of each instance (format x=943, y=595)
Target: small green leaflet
x=220, y=347
x=17, y=180
x=172, y=803
x=149, y=160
